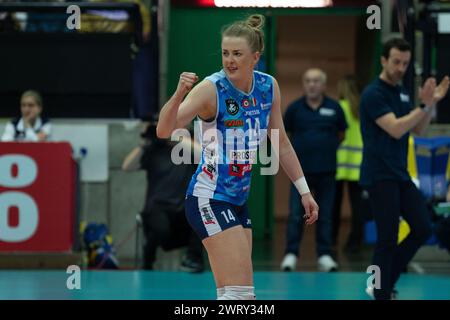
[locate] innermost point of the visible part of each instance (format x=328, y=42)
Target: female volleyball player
x=235, y=107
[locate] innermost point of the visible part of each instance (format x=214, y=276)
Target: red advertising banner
x=37, y=197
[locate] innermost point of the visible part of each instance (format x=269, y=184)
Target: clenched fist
x=186, y=82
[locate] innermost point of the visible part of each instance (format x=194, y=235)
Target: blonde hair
x=348, y=90
x=34, y=94
x=251, y=29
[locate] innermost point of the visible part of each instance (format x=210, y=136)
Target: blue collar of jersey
x=230, y=85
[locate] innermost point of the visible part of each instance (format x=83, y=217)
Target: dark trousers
x=442, y=231
x=389, y=200
x=323, y=188
x=167, y=227
x=358, y=217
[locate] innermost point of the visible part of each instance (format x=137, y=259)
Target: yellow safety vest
x=412, y=163
x=448, y=168
x=404, y=229
x=349, y=153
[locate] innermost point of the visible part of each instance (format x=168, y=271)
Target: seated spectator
x=30, y=126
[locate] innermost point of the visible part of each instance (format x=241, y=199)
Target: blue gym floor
x=110, y=285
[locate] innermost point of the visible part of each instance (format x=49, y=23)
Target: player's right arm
x=178, y=113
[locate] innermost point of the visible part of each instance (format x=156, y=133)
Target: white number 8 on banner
x=17, y=171
x=26, y=171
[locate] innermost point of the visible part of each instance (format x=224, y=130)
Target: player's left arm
x=288, y=158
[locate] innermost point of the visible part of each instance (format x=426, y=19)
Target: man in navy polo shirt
x=387, y=116
x=317, y=126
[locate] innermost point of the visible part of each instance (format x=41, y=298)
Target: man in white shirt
x=30, y=127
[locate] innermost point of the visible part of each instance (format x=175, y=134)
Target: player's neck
x=245, y=85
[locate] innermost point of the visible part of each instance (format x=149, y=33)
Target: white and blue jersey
x=230, y=141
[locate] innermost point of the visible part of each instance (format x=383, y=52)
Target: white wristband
x=301, y=186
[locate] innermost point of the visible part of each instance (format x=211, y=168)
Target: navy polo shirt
x=384, y=157
x=315, y=133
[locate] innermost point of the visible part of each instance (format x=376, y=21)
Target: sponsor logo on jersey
x=242, y=155
x=207, y=216
x=252, y=112
x=230, y=123
x=232, y=107
x=238, y=170
x=209, y=153
x=210, y=170
x=246, y=102
x=265, y=106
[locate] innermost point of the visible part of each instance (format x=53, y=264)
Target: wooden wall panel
x=327, y=42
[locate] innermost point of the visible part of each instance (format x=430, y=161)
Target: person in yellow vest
x=349, y=157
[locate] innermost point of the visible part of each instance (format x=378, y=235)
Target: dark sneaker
x=394, y=293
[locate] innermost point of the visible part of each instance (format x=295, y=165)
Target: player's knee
x=238, y=293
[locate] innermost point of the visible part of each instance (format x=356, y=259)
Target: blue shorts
x=208, y=216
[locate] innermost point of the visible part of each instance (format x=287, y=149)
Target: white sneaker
x=326, y=263
x=289, y=262
x=369, y=291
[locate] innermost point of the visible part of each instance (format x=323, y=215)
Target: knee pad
x=238, y=293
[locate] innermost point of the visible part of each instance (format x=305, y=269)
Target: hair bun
x=256, y=21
